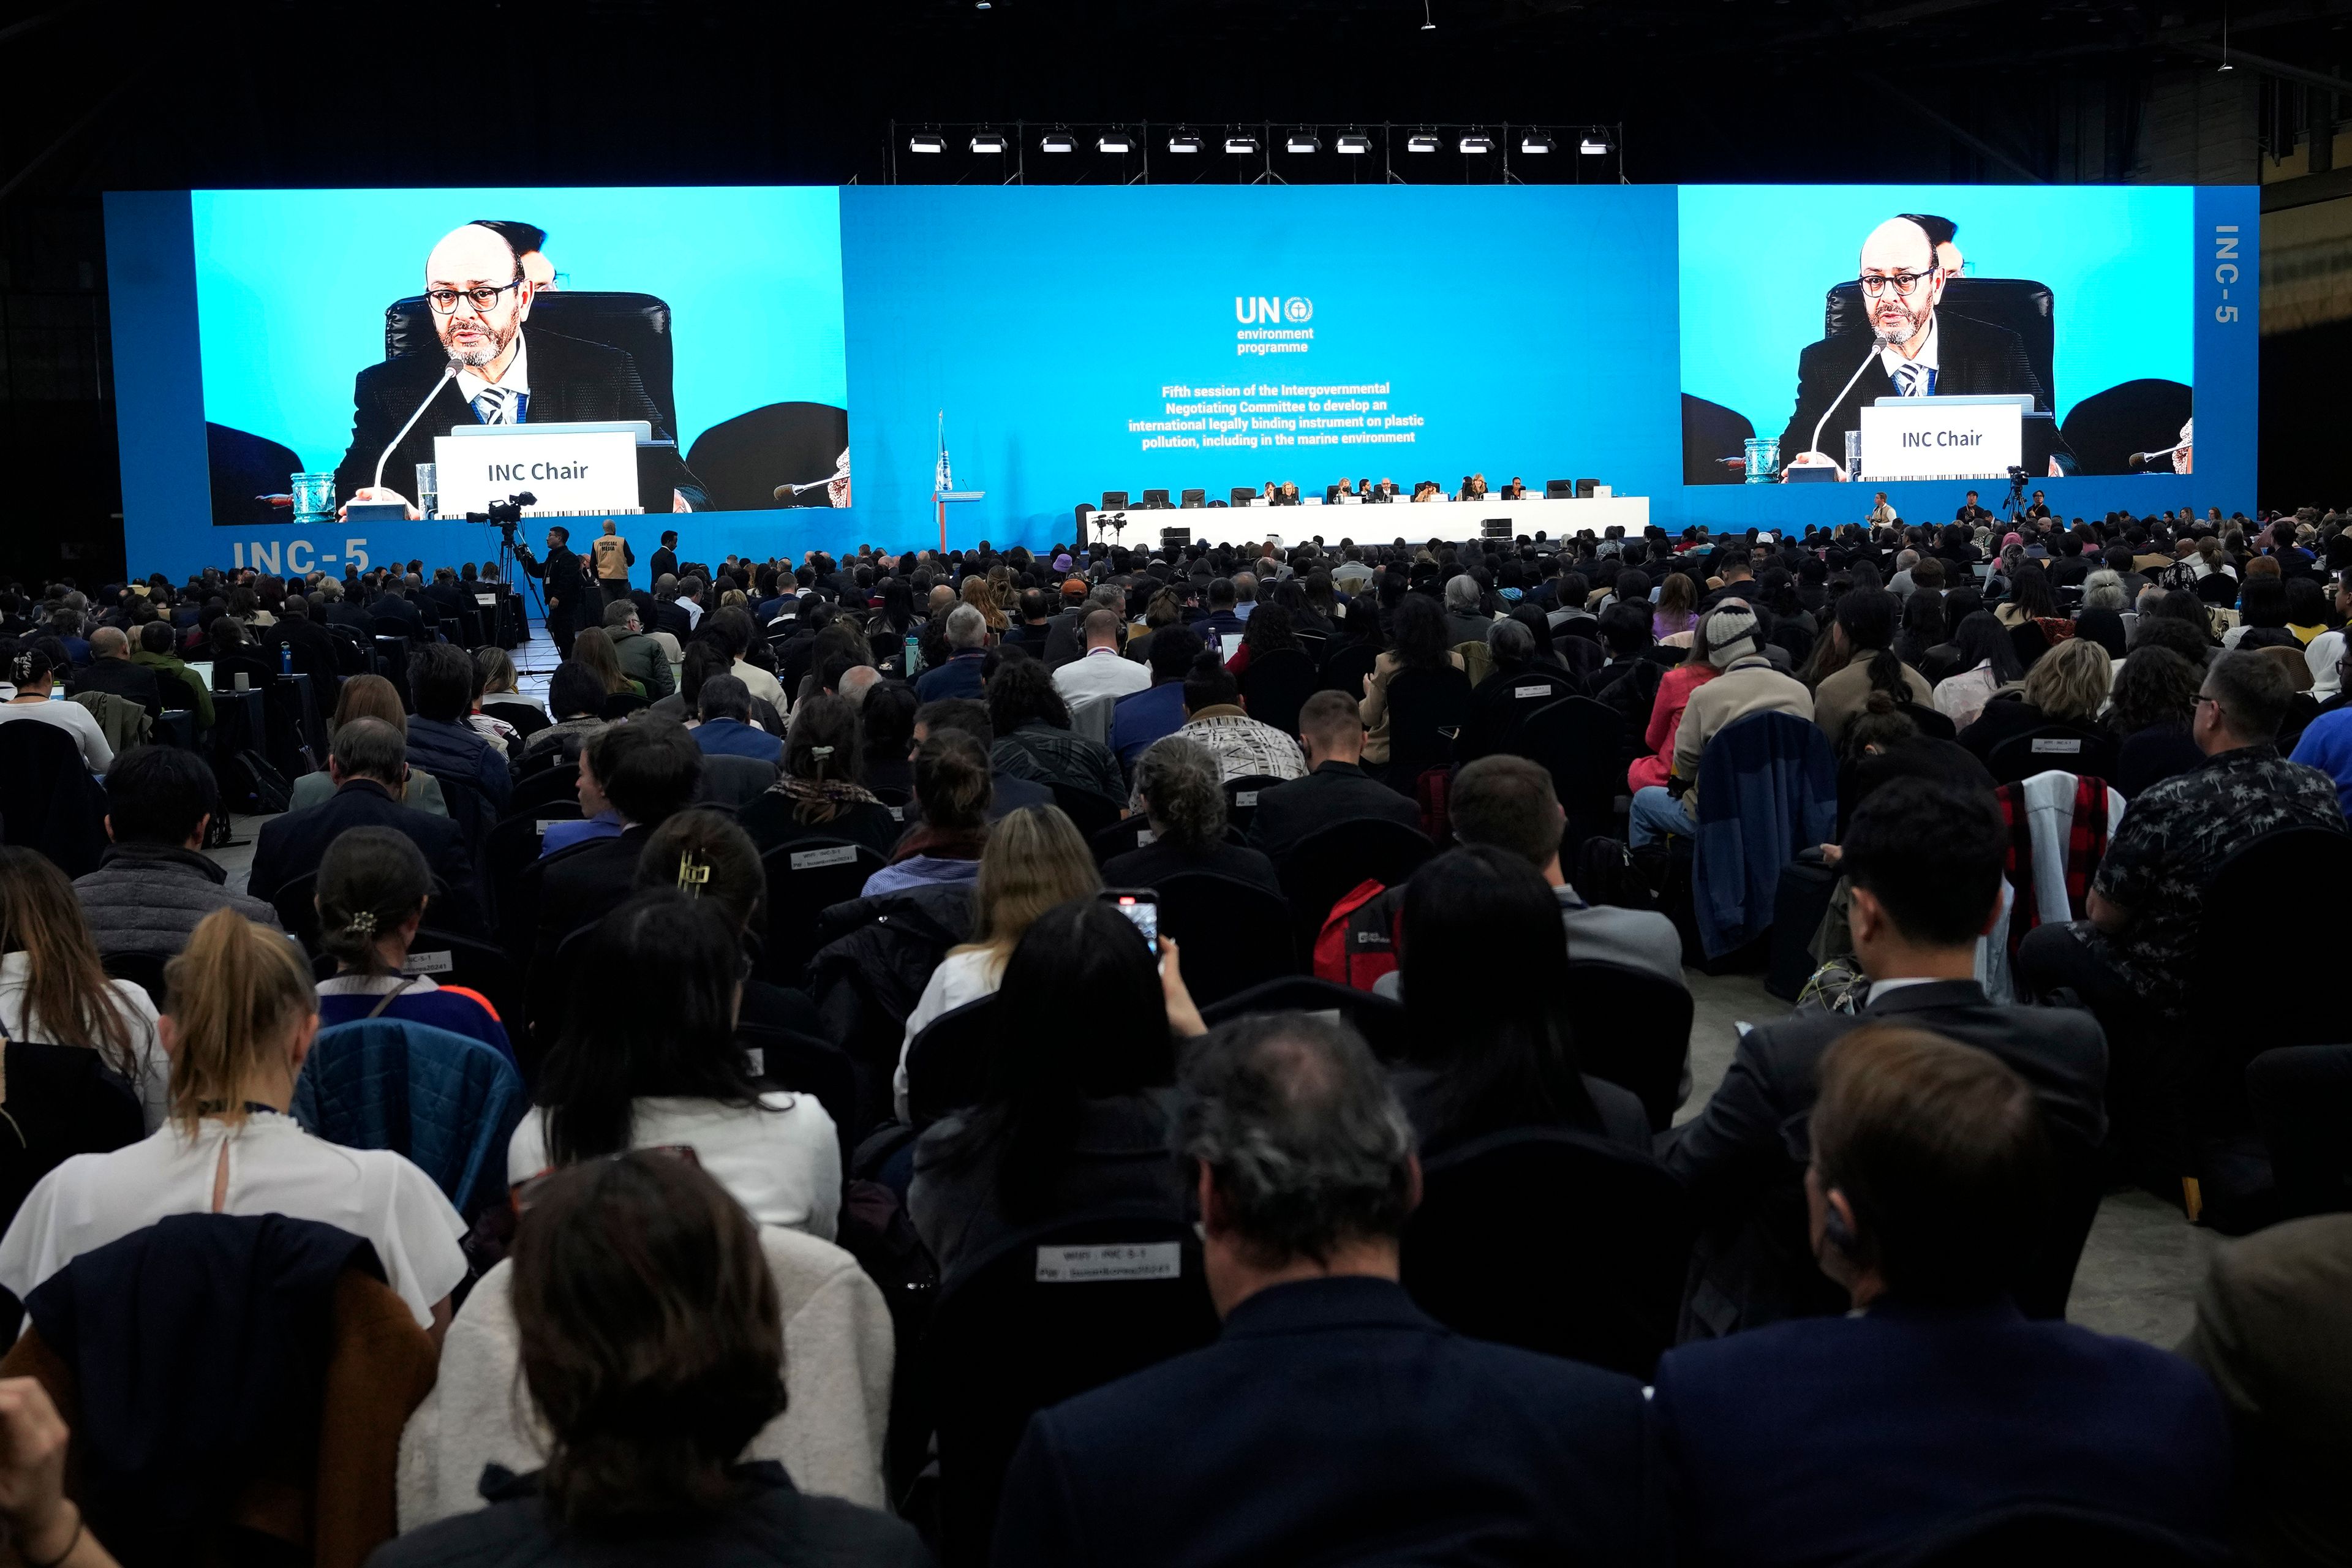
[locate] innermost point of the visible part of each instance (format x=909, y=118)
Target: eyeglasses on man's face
x=445, y=300
x=1875, y=285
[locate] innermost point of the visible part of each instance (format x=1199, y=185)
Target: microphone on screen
x=786, y=493
x=449, y=374
x=1869, y=359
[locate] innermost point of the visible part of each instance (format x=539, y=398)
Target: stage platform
x=1372, y=520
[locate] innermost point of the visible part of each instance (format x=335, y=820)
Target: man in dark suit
x=1851, y=1438
x=110, y=669
x=369, y=765
x=1910, y=349
x=665, y=560
x=1335, y=787
x=343, y=608
x=1331, y=1421
x=478, y=301
x=390, y=604
x=1924, y=860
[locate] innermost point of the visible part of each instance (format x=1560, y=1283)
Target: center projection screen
x=1066, y=341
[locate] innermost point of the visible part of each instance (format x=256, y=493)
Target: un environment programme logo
x=1297, y=310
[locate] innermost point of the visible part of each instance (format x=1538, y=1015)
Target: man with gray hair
x=368, y=766
x=642, y=659
x=110, y=669
x=1463, y=620
x=1332, y=1420
x=1180, y=789
x=960, y=675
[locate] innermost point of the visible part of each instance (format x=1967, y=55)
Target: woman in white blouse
x=1988, y=663
x=1034, y=859
x=34, y=676
x=649, y=1060
x=53, y=991
x=239, y=1024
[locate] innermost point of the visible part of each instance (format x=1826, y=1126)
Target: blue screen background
x=292, y=287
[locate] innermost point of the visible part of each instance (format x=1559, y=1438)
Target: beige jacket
x=837, y=1364
x=1748, y=685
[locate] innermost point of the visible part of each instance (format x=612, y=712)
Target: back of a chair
x=1555, y=1241
x=547, y=780
x=1124, y=836
x=805, y=878
x=2066, y=748
x=446, y=958
x=1276, y=685
x=1499, y=708
x=48, y=801
x=1240, y=799
x=1089, y=811
x=2268, y=874
x=2302, y=1099
x=145, y=970
x=297, y=903
x=948, y=1060
x=1233, y=934
x=447, y=1101
x=804, y=1066
x=1377, y=1018
x=1427, y=708
x=1346, y=668
x=1042, y=1317
x=1328, y=862
x=1580, y=742
x=1633, y=1029
x=2055, y=1532
x=1091, y=716
x=471, y=809
x=1767, y=788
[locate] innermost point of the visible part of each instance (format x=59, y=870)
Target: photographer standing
x=566, y=581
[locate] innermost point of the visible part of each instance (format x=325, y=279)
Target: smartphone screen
x=1140, y=905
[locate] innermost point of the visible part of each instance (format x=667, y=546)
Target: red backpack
x=1360, y=939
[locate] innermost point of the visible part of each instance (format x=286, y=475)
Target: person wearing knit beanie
x=1732, y=633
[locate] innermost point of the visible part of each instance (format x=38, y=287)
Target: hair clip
x=820, y=751
x=363, y=923
x=693, y=874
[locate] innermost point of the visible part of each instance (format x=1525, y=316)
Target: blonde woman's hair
x=1035, y=858
x=368, y=697
x=232, y=991
x=2069, y=683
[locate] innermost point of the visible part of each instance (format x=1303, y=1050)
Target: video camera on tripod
x=506, y=514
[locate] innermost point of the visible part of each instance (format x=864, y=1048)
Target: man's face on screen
x=1900, y=283
x=473, y=257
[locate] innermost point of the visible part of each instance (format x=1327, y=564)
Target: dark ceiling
x=677, y=91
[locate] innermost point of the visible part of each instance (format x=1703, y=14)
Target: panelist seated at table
x=508, y=374
x=1910, y=349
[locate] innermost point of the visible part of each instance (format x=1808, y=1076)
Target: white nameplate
x=569, y=471
x=1537, y=690
x=810, y=859
x=1089, y=1265
x=428, y=963
x=1244, y=798
x=544, y=823
x=2047, y=743
x=1927, y=439
x=1143, y=837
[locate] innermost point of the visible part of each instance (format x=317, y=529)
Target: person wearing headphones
x=1934, y=1401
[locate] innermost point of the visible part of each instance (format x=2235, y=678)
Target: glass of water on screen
x=314, y=497
x=429, y=489
x=1854, y=454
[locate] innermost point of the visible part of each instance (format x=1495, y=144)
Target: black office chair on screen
x=1554, y=1241
x=1015, y=1331
x=1325, y=865
x=1233, y=934
x=948, y=1060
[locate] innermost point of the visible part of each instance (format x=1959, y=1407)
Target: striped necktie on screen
x=1911, y=380
x=496, y=406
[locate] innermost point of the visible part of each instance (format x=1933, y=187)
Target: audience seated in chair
x=368, y=697
x=1488, y=1057
x=1158, y=710
x=575, y=695
x=953, y=791
x=369, y=768
x=724, y=709
x=2057, y=690
x=1034, y=862
x=155, y=883
x=55, y=994
x=1072, y=1118
x=110, y=669
x=705, y=855
x=652, y=1346
x=1334, y=787
x=176, y=683
x=440, y=740
x=242, y=1013
x=1862, y=631
x=645, y=772
x=1746, y=683
x=654, y=1064
x=1178, y=789
x=33, y=670
x=375, y=888
x=821, y=793
x=1428, y=1446
x=1033, y=739
x=1215, y=721
x=1842, y=1438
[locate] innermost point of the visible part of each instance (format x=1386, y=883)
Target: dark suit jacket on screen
x=1743, y=1156
x=1972, y=358
x=1334, y=1421
x=571, y=379
x=1837, y=1439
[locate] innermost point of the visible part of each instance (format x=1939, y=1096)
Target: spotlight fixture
x=1594, y=145
x=1352, y=142
x=1057, y=141
x=1184, y=141
x=1421, y=141
x=1114, y=142
x=1303, y=142
x=926, y=141
x=988, y=142
x=1477, y=145
x=1535, y=142
x=1246, y=146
